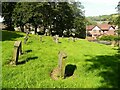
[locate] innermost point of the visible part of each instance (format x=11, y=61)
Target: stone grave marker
x=17, y=51
x=73, y=34
x=61, y=63
x=25, y=39
x=69, y=39
x=56, y=38
x=73, y=39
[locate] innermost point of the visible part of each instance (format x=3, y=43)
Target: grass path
x=96, y=64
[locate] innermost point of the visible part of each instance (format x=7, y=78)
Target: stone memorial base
x=55, y=74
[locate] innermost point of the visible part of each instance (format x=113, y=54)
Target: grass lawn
x=97, y=65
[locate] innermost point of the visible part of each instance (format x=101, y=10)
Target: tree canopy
x=57, y=17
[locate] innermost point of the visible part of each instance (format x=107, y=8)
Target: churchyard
x=46, y=63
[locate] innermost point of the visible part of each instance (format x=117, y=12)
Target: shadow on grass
x=9, y=35
x=69, y=70
x=110, y=69
x=28, y=59
x=28, y=51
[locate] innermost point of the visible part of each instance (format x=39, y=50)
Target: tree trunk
x=22, y=28
x=50, y=31
x=35, y=29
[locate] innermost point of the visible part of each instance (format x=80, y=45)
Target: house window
x=94, y=31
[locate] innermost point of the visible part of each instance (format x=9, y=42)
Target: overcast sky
x=99, y=7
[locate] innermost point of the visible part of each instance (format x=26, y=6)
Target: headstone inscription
x=25, y=39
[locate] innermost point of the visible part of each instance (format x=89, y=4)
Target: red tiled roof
x=104, y=26
x=101, y=26
x=90, y=27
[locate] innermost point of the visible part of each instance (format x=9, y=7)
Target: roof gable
x=96, y=28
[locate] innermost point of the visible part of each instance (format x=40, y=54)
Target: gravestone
x=69, y=39
x=25, y=39
x=56, y=38
x=61, y=63
x=17, y=51
x=73, y=39
x=27, y=32
x=73, y=34
x=113, y=43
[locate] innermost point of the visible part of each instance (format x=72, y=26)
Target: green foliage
x=7, y=10
x=108, y=38
x=102, y=18
x=96, y=64
x=54, y=16
x=90, y=22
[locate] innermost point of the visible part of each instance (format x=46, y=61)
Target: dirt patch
x=55, y=73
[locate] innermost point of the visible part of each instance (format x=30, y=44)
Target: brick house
x=99, y=30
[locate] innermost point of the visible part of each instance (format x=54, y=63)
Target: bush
x=109, y=38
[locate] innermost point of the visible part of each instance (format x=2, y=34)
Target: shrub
x=108, y=38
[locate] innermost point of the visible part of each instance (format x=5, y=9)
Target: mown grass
x=96, y=64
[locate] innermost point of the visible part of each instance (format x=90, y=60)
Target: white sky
x=99, y=7
x=1, y=19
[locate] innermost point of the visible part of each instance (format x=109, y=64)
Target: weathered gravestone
x=56, y=38
x=59, y=71
x=69, y=39
x=27, y=32
x=25, y=39
x=17, y=51
x=73, y=38
x=61, y=63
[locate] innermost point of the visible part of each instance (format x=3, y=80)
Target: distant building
x=101, y=29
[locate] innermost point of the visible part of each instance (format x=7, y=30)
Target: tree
x=22, y=14
x=7, y=10
x=36, y=18
x=118, y=22
x=79, y=20
x=55, y=16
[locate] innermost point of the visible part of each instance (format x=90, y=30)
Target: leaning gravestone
x=17, y=51
x=61, y=63
x=25, y=39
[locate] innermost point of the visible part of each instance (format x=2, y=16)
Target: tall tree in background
x=21, y=14
x=79, y=21
x=64, y=17
x=7, y=10
x=36, y=18
x=118, y=22
x=55, y=16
